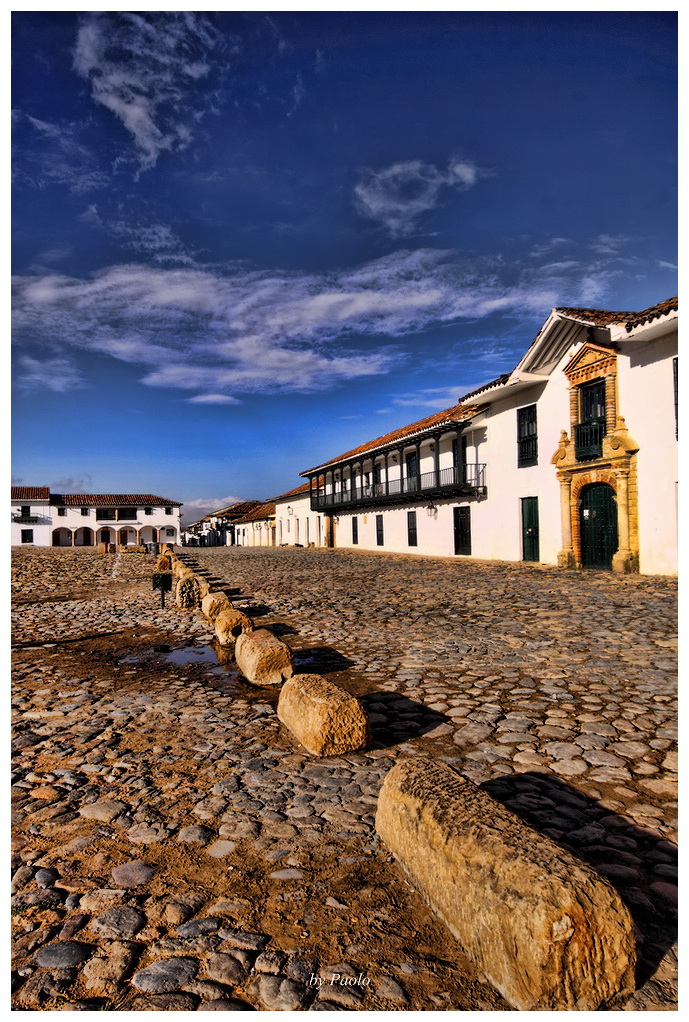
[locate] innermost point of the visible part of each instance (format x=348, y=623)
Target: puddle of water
x=191, y=655
x=221, y=676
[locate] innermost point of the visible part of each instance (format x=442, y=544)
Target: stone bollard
x=326, y=720
x=204, y=586
x=213, y=603
x=163, y=563
x=549, y=933
x=262, y=658
x=230, y=624
x=187, y=594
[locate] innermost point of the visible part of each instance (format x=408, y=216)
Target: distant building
x=218, y=527
x=257, y=526
x=42, y=518
x=570, y=459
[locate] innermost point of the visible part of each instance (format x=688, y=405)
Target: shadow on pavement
x=395, y=718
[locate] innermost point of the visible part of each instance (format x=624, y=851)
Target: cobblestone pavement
x=175, y=849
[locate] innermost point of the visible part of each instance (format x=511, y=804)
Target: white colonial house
x=570, y=459
x=42, y=518
x=257, y=526
x=296, y=523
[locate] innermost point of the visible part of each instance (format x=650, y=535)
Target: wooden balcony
x=462, y=481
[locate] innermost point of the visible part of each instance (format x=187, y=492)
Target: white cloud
x=398, y=195
x=666, y=266
x=143, y=67
x=213, y=399
x=224, y=332
x=195, y=510
x=609, y=244
x=56, y=374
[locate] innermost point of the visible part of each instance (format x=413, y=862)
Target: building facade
x=41, y=518
x=257, y=527
x=296, y=523
x=570, y=459
x=218, y=528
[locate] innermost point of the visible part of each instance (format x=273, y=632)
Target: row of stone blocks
x=326, y=720
x=548, y=932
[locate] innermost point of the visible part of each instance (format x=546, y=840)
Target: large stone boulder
x=230, y=624
x=262, y=658
x=213, y=603
x=548, y=932
x=326, y=720
x=164, y=563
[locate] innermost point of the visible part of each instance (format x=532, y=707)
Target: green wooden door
x=598, y=526
x=530, y=541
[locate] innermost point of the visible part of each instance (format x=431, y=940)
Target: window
x=148, y=510
x=62, y=511
x=590, y=430
x=126, y=514
x=355, y=530
x=411, y=528
x=169, y=532
x=84, y=511
x=26, y=508
x=27, y=535
x=527, y=437
x=379, y=530
x=105, y=514
x=168, y=510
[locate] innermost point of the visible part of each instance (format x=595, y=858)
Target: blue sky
x=244, y=243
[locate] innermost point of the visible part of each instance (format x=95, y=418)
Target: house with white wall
x=218, y=527
x=570, y=459
x=78, y=519
x=257, y=526
x=296, y=523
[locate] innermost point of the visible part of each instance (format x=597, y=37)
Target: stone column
x=622, y=560
x=565, y=558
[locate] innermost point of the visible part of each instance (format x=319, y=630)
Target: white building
x=570, y=459
x=257, y=526
x=296, y=524
x=218, y=527
x=41, y=518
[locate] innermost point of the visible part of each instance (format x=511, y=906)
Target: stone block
x=229, y=624
x=548, y=932
x=213, y=603
x=187, y=593
x=326, y=720
x=164, y=563
x=262, y=658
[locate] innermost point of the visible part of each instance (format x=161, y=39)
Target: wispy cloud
x=56, y=374
x=232, y=331
x=72, y=484
x=143, y=67
x=398, y=195
x=52, y=154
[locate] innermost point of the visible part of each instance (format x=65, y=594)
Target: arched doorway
x=598, y=525
x=83, y=537
x=62, y=537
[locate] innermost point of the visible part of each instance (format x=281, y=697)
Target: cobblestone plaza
x=247, y=873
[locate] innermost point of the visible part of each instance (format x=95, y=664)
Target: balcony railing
x=464, y=480
x=588, y=439
x=25, y=519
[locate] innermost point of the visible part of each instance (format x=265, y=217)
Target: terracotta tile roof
x=603, y=317
x=242, y=507
x=266, y=510
x=112, y=500
x=458, y=413
x=30, y=493
x=653, y=312
x=304, y=488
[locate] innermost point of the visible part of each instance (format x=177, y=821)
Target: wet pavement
x=555, y=690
